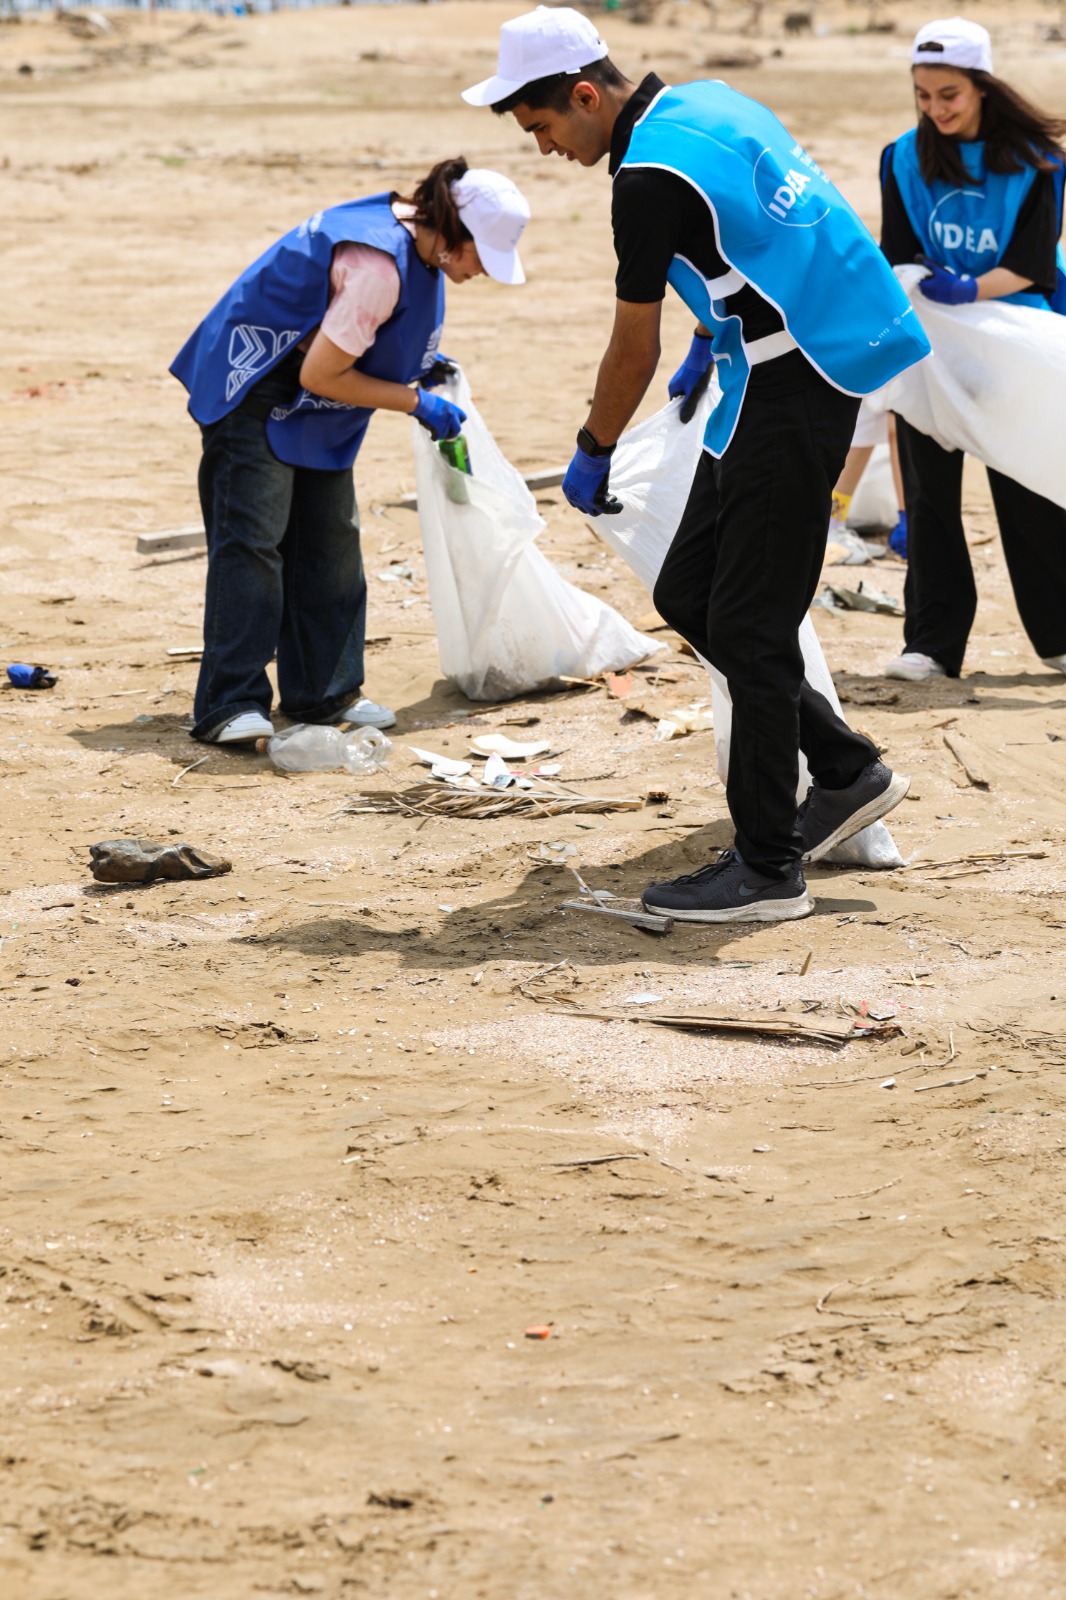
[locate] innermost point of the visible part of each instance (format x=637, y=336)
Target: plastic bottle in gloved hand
x=312, y=747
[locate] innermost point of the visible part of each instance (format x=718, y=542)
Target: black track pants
x=737, y=582
x=940, y=593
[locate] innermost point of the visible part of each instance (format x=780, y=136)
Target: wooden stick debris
x=766, y=1024
x=190, y=768
x=950, y=1083
x=601, y=1161
x=968, y=759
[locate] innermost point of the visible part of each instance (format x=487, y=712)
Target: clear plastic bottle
x=312, y=747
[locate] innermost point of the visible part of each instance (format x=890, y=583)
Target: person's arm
x=627, y=368
x=999, y=282
x=327, y=370
x=899, y=241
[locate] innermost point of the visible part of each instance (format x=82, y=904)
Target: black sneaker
x=829, y=816
x=730, y=891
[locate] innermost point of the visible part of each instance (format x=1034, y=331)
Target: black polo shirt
x=656, y=216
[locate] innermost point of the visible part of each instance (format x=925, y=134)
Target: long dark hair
x=436, y=208
x=1016, y=135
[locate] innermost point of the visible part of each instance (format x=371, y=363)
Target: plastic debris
x=144, y=861
x=685, y=719
x=27, y=677
x=511, y=749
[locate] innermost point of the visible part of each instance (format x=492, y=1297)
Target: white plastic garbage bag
x=992, y=387
x=874, y=508
x=651, y=473
x=507, y=622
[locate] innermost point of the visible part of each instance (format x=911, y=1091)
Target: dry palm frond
x=442, y=800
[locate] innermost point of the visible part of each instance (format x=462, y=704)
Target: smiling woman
x=975, y=192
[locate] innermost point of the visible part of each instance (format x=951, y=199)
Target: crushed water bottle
x=311, y=747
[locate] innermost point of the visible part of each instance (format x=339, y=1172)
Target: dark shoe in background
x=829, y=816
x=730, y=891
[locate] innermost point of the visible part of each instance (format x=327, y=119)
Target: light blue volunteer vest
x=782, y=226
x=279, y=300
x=969, y=229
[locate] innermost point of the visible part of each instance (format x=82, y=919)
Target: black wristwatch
x=592, y=446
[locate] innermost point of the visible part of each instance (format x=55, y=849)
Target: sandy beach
x=291, y=1159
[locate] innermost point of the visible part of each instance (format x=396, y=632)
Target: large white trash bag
x=651, y=473
x=992, y=387
x=507, y=622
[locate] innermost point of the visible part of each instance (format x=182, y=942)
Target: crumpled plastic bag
x=651, y=473
x=992, y=387
x=507, y=622
x=144, y=861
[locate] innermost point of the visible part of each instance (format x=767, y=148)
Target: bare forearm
x=354, y=388
x=999, y=282
x=627, y=368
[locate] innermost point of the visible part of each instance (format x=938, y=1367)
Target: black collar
x=634, y=108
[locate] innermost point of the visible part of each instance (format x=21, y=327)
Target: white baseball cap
x=953, y=42
x=496, y=211
x=538, y=45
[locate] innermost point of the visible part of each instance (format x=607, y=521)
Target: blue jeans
x=284, y=576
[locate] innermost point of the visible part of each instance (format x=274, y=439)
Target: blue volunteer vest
x=969, y=229
x=279, y=300
x=781, y=225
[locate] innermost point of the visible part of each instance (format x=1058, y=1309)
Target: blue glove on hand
x=585, y=484
x=897, y=539
x=442, y=369
x=692, y=376
x=947, y=288
x=440, y=418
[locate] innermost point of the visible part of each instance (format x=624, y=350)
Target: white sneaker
x=914, y=667
x=245, y=729
x=853, y=551
x=365, y=714
x=1057, y=663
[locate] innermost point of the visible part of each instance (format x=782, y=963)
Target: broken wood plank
x=533, y=481
x=768, y=1024
x=190, y=537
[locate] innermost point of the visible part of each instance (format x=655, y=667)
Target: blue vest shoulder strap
x=782, y=226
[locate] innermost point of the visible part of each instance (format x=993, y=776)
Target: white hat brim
x=502, y=265
x=489, y=90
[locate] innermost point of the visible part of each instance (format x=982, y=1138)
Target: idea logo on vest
x=790, y=190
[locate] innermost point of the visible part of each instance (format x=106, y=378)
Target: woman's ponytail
x=435, y=206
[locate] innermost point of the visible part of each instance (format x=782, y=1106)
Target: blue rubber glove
x=692, y=376
x=440, y=418
x=585, y=484
x=947, y=288
x=442, y=369
x=897, y=539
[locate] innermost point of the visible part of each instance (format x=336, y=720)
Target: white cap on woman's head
x=538, y=45
x=496, y=211
x=953, y=42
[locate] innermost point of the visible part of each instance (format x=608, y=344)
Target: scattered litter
x=600, y=1161
x=619, y=684
x=557, y=852
x=497, y=774
x=889, y=1083
x=313, y=747
x=449, y=800
x=397, y=572
x=441, y=766
x=552, y=770
x=144, y=861
x=190, y=768
x=538, y=1332
x=186, y=652
x=647, y=921
x=498, y=744
x=685, y=719
x=26, y=677
x=641, y=999
x=761, y=1149
x=865, y=598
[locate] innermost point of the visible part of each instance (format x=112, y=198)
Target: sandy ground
x=291, y=1159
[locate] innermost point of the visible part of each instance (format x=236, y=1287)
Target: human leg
x=323, y=630
x=775, y=486
x=1033, y=530
x=940, y=596
x=245, y=495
